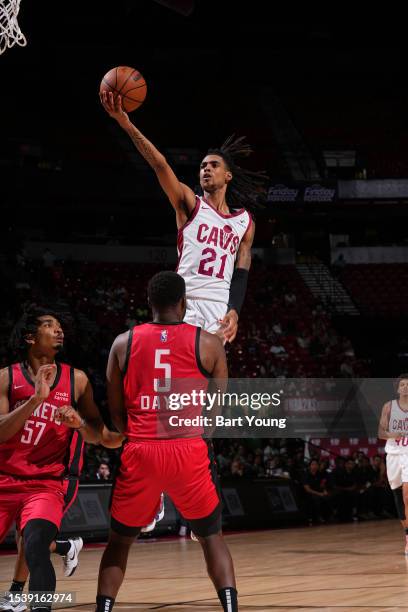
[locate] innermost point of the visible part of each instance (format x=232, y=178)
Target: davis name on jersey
x=207, y=248
x=156, y=368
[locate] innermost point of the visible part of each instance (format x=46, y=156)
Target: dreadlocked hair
x=247, y=188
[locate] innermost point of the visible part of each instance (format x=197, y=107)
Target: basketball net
x=10, y=33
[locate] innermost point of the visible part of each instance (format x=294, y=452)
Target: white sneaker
x=157, y=518
x=193, y=537
x=149, y=527
x=183, y=531
x=6, y=604
x=160, y=513
x=70, y=561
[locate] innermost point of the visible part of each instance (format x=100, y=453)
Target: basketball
x=128, y=83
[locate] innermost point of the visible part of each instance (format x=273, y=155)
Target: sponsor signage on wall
x=305, y=192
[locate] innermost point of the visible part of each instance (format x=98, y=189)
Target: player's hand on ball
x=113, y=106
x=69, y=416
x=229, y=325
x=43, y=380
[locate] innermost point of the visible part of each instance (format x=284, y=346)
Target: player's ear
x=29, y=339
x=228, y=176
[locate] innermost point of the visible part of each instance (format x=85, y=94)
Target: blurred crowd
x=290, y=336
x=335, y=489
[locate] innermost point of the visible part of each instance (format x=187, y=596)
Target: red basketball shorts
x=181, y=468
x=23, y=500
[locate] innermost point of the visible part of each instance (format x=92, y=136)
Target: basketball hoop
x=10, y=33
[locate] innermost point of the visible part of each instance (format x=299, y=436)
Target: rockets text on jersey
x=207, y=248
x=44, y=447
x=398, y=423
x=163, y=360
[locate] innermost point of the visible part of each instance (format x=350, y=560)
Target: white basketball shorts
x=205, y=314
x=397, y=469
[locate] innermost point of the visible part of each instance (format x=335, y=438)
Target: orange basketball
x=128, y=83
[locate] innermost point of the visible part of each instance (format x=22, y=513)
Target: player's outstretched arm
x=239, y=281
x=181, y=197
x=90, y=411
x=12, y=422
x=114, y=381
x=90, y=428
x=383, y=432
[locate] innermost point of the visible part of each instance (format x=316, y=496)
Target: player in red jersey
x=214, y=240
x=41, y=441
x=157, y=457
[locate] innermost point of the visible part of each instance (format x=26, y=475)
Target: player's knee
x=121, y=534
x=18, y=538
x=210, y=540
x=208, y=526
x=400, y=502
x=38, y=535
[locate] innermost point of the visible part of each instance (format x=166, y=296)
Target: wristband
x=238, y=289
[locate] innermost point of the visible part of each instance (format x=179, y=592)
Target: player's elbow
x=94, y=433
x=244, y=260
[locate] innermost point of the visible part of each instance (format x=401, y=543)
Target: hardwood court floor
x=348, y=568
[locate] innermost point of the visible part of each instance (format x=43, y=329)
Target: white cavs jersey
x=398, y=424
x=207, y=248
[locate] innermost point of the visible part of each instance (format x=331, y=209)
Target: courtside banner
x=267, y=408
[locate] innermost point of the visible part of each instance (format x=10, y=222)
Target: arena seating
x=337, y=120
x=104, y=298
x=378, y=289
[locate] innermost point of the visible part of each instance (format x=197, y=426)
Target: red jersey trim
x=248, y=228
x=180, y=237
x=235, y=214
x=193, y=214
x=180, y=244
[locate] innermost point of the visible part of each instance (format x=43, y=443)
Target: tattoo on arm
x=145, y=147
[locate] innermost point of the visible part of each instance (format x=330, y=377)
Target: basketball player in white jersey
x=214, y=241
x=394, y=428
x=214, y=238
